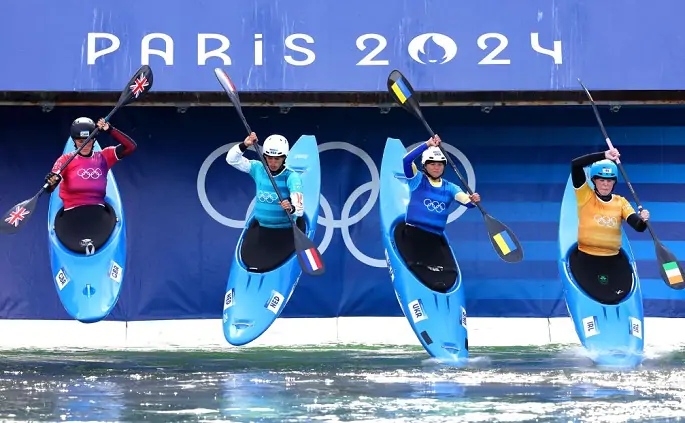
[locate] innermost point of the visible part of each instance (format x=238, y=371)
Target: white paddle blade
x=225, y=81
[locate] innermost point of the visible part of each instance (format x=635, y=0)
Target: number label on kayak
x=62, y=279
x=275, y=302
x=636, y=327
x=416, y=310
x=116, y=272
x=590, y=326
x=228, y=299
x=390, y=269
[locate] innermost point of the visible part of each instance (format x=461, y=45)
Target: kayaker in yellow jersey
x=598, y=265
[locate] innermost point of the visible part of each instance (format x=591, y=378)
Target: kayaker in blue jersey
x=426, y=218
x=269, y=240
x=431, y=195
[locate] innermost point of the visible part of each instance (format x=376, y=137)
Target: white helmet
x=433, y=154
x=276, y=146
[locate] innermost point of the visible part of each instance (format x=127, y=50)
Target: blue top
x=430, y=200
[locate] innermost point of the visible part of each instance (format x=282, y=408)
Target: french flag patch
x=311, y=259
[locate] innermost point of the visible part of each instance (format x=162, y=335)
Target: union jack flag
x=139, y=86
x=16, y=216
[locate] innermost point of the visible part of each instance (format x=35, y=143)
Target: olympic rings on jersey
x=602, y=220
x=434, y=206
x=90, y=173
x=267, y=197
x=327, y=220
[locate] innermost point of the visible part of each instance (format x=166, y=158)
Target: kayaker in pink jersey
x=86, y=221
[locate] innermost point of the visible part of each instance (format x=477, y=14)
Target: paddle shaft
x=618, y=162
x=449, y=159
x=266, y=166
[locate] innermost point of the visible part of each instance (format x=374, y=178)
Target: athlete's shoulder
x=452, y=185
x=291, y=173
x=104, y=152
x=63, y=158
x=293, y=180
x=621, y=199
x=583, y=187
x=256, y=167
x=418, y=176
x=584, y=193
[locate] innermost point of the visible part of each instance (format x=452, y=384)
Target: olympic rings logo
x=267, y=197
x=610, y=222
x=434, y=206
x=327, y=220
x=90, y=173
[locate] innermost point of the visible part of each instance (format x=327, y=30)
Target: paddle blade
x=503, y=240
x=17, y=216
x=671, y=271
x=587, y=92
x=137, y=87
x=228, y=86
x=402, y=92
x=232, y=92
x=309, y=257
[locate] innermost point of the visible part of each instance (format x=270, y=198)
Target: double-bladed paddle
x=137, y=87
x=505, y=243
x=671, y=271
x=307, y=254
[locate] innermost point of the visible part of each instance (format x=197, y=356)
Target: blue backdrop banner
x=342, y=46
x=185, y=206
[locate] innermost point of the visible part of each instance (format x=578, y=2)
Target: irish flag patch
x=673, y=272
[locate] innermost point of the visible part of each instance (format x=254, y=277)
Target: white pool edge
x=207, y=333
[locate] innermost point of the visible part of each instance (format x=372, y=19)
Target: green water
x=341, y=384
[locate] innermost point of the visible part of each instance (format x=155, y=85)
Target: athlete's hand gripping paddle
x=503, y=240
x=671, y=271
x=136, y=89
x=305, y=248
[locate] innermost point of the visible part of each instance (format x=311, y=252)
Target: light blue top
x=268, y=211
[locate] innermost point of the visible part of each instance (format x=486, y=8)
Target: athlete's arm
x=235, y=158
x=296, y=198
x=577, y=165
x=632, y=218
x=461, y=196
x=53, y=179
x=126, y=144
x=637, y=223
x=114, y=154
x=408, y=160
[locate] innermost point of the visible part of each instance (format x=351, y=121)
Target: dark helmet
x=81, y=128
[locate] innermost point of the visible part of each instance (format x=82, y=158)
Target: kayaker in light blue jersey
x=268, y=211
x=431, y=195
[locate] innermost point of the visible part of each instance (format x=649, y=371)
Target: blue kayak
x=611, y=333
x=437, y=318
x=255, y=299
x=89, y=283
